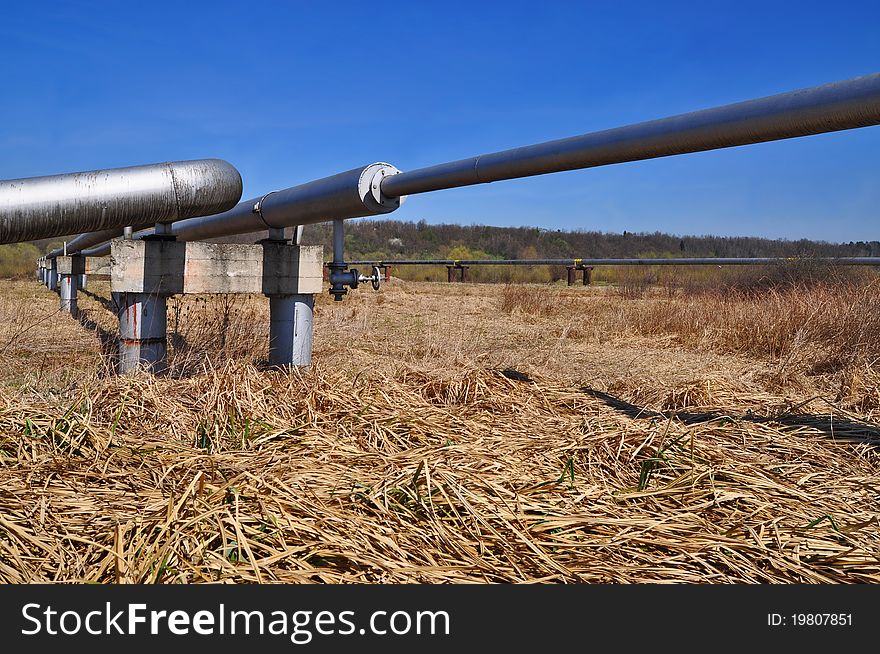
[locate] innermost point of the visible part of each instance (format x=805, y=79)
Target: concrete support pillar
x=142, y=332
x=69, y=270
x=68, y=284
x=291, y=325
x=52, y=283
x=146, y=272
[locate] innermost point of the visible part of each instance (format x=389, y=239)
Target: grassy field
x=451, y=433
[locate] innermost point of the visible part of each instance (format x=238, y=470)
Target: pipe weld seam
x=258, y=209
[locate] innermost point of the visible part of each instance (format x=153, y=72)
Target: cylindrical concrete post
x=68, y=285
x=53, y=276
x=142, y=332
x=291, y=324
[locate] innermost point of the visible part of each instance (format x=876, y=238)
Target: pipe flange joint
x=258, y=209
x=370, y=188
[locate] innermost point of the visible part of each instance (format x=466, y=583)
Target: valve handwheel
x=376, y=278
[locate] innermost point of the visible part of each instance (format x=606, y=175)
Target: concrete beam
x=71, y=265
x=98, y=266
x=172, y=268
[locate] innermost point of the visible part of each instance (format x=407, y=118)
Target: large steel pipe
x=828, y=108
x=351, y=194
x=45, y=207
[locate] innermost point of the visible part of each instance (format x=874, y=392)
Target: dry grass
x=572, y=437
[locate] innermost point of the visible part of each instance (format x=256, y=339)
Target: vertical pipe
x=142, y=332
x=291, y=325
x=338, y=241
x=570, y=270
x=83, y=281
x=588, y=270
x=449, y=276
x=464, y=273
x=68, y=284
x=387, y=273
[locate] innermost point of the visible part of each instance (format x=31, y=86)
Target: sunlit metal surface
x=98, y=200
x=828, y=108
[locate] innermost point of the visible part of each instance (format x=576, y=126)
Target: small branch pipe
x=705, y=261
x=338, y=242
x=98, y=200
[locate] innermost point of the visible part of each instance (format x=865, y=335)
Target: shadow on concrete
x=838, y=428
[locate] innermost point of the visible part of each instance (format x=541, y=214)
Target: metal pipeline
x=704, y=261
x=351, y=194
x=98, y=200
x=379, y=188
x=828, y=108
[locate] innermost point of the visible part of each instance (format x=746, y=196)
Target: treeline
x=389, y=239
x=394, y=239
x=19, y=260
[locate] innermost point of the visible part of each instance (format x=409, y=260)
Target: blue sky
x=290, y=92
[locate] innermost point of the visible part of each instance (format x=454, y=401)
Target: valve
x=340, y=276
x=375, y=279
